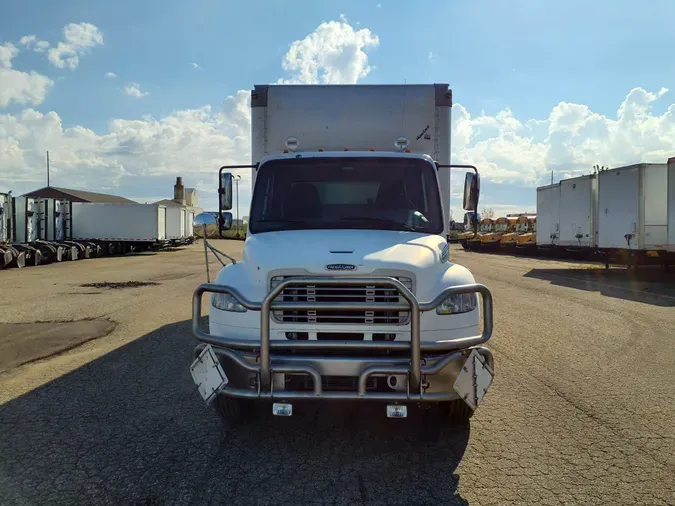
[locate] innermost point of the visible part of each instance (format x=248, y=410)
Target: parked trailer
x=578, y=214
x=120, y=228
x=548, y=216
x=633, y=211
x=9, y=256
x=189, y=225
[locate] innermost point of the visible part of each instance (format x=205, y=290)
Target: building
x=182, y=197
x=53, y=192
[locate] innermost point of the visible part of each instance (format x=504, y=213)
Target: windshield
x=346, y=193
x=501, y=227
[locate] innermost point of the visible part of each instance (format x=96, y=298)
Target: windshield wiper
x=382, y=220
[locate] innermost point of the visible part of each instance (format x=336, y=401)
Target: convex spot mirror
x=208, y=220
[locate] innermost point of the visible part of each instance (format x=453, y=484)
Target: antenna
x=47, y=168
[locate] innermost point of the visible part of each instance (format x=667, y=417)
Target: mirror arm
x=216, y=251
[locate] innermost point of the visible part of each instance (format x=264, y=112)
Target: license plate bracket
x=208, y=374
x=474, y=379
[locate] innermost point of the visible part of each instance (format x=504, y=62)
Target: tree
x=487, y=212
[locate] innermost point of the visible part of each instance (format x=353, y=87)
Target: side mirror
x=225, y=222
x=225, y=191
x=471, y=191
x=205, y=221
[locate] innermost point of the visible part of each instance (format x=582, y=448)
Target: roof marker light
x=291, y=143
x=372, y=149
x=401, y=143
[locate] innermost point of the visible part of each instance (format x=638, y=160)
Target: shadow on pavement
x=646, y=285
x=130, y=428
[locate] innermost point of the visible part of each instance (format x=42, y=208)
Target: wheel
x=456, y=412
x=233, y=410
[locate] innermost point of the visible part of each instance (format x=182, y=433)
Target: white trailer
x=135, y=225
x=633, y=208
x=175, y=223
x=345, y=289
x=577, y=212
x=189, y=223
x=548, y=215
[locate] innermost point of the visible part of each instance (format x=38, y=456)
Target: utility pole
x=236, y=182
x=47, y=168
x=551, y=177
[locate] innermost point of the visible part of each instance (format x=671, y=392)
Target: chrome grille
x=341, y=293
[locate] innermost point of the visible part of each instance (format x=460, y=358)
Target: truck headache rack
x=413, y=367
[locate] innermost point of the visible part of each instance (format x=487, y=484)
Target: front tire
x=456, y=412
x=234, y=411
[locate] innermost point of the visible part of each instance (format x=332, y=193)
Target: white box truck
x=346, y=290
x=577, y=212
x=120, y=226
x=633, y=208
x=548, y=216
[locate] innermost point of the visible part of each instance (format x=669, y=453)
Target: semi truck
x=346, y=289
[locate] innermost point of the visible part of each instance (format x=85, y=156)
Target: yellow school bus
x=528, y=240
x=522, y=226
x=486, y=227
x=503, y=225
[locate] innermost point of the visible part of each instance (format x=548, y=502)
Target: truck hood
x=368, y=250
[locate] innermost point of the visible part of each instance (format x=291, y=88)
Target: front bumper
x=373, y=370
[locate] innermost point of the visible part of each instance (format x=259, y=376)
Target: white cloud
x=333, y=53
x=20, y=87
x=110, y=75
x=79, y=38
x=134, y=90
x=141, y=157
x=32, y=42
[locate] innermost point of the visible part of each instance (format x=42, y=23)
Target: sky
x=126, y=95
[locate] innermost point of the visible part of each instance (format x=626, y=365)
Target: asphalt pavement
x=582, y=409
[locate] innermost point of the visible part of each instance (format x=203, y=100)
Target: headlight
x=226, y=302
x=455, y=304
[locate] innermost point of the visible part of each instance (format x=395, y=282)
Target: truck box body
x=119, y=222
x=633, y=207
x=189, y=220
x=175, y=222
x=548, y=214
x=578, y=211
x=357, y=118
x=671, y=205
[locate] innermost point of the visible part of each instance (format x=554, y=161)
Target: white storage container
x=578, y=211
x=119, y=222
x=548, y=215
x=633, y=207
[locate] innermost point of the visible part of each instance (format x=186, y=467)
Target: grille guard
x=265, y=367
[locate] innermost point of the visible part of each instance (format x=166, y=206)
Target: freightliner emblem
x=340, y=267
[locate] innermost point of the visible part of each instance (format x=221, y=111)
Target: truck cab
x=346, y=289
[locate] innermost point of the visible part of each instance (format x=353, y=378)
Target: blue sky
x=505, y=61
